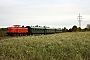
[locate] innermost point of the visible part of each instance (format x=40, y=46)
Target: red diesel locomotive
x=16, y=30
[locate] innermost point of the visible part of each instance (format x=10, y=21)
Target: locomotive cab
x=16, y=26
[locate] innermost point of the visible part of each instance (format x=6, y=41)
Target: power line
x=79, y=17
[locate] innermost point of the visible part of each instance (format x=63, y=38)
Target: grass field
x=63, y=46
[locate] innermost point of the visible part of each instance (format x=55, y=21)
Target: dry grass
x=63, y=46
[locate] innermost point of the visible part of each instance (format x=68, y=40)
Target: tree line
x=76, y=29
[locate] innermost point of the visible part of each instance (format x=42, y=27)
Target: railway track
x=6, y=37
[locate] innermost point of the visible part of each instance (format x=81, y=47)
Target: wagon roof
x=50, y=28
x=38, y=27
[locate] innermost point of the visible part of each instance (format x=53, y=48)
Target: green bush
x=3, y=32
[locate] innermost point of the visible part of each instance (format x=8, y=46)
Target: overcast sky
x=53, y=13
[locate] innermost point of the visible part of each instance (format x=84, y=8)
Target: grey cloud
x=43, y=12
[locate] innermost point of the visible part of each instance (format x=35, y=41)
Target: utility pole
x=79, y=20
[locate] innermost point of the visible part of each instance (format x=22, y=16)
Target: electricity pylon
x=79, y=17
